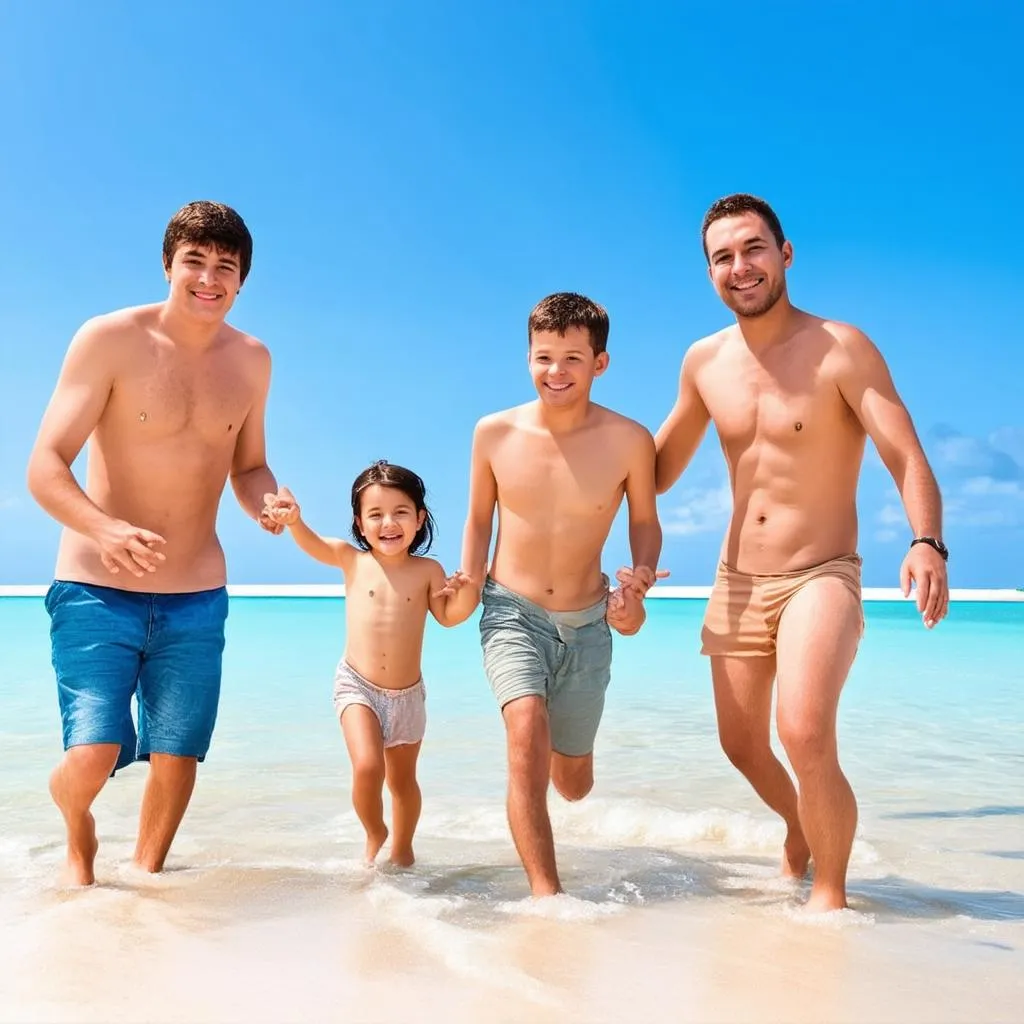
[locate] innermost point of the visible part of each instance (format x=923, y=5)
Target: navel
x=230, y=425
x=549, y=590
x=371, y=593
x=762, y=519
x=142, y=417
x=799, y=426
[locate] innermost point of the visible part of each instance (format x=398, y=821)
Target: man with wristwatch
x=793, y=398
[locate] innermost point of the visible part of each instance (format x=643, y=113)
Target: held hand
x=123, y=546
x=454, y=583
x=640, y=578
x=279, y=510
x=926, y=568
x=626, y=612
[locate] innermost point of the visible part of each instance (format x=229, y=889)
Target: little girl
x=378, y=686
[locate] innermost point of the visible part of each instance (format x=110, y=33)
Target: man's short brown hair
x=205, y=223
x=563, y=310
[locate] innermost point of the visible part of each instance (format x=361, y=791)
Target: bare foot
x=796, y=855
x=82, y=842
x=402, y=858
x=374, y=841
x=824, y=899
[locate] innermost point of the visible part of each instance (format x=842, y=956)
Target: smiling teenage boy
x=171, y=400
x=556, y=469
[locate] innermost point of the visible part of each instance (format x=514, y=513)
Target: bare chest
x=386, y=596
x=578, y=476
x=785, y=406
x=166, y=396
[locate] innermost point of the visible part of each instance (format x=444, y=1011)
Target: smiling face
x=746, y=264
x=388, y=519
x=204, y=281
x=563, y=366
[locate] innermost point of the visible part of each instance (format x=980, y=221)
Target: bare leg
x=366, y=750
x=529, y=768
x=406, y=800
x=573, y=777
x=168, y=791
x=74, y=785
x=743, y=702
x=818, y=637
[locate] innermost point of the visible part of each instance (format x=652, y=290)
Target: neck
x=562, y=421
x=763, y=331
x=186, y=330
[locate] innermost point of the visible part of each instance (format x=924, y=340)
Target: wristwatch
x=933, y=543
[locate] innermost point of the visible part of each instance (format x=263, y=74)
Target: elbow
x=36, y=475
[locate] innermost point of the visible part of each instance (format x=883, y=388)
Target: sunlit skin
x=793, y=398
x=557, y=470
x=388, y=593
x=171, y=399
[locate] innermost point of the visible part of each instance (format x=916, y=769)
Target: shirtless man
x=172, y=400
x=557, y=469
x=792, y=397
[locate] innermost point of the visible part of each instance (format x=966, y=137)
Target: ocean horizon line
x=990, y=594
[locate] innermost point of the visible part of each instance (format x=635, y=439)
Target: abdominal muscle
x=172, y=488
x=560, y=571
x=788, y=517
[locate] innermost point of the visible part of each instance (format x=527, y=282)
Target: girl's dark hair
x=410, y=484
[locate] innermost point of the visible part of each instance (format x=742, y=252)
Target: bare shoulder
x=106, y=340
x=629, y=431
x=429, y=568
x=248, y=354
x=849, y=346
x=706, y=348
x=497, y=424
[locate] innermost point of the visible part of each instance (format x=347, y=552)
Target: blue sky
x=417, y=176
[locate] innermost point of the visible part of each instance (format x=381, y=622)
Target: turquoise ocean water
x=931, y=737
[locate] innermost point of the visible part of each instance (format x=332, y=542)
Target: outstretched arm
x=483, y=495
x=868, y=389
x=283, y=510
x=681, y=433
x=79, y=399
x=251, y=477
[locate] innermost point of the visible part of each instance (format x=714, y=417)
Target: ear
x=601, y=363
x=421, y=518
x=787, y=254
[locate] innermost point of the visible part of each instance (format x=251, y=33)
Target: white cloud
x=891, y=515
x=885, y=536
x=9, y=501
x=701, y=511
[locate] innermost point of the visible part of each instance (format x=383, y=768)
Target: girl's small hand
x=453, y=584
x=282, y=507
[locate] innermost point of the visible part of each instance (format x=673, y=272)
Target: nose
x=740, y=263
x=554, y=369
x=207, y=275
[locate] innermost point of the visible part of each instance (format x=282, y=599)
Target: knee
x=573, y=777
x=810, y=744
x=574, y=787
x=91, y=763
x=742, y=749
x=367, y=773
x=404, y=788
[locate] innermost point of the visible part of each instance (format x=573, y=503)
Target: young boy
x=557, y=469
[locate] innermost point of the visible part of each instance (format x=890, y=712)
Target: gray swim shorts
x=564, y=657
x=402, y=713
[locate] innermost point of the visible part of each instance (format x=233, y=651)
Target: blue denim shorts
x=564, y=657
x=108, y=644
